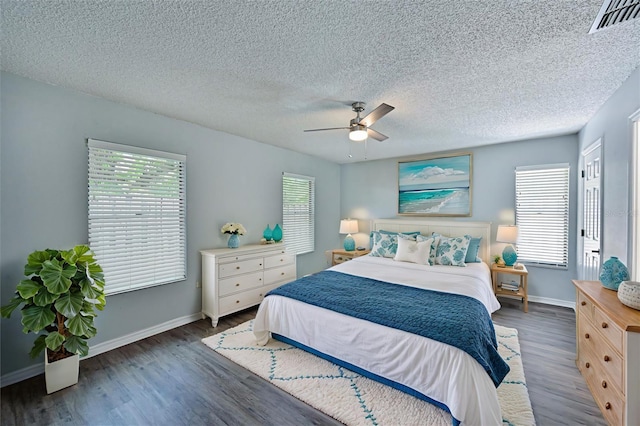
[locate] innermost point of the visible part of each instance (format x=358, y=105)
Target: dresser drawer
x=240, y=301
x=235, y=268
x=339, y=258
x=240, y=283
x=609, y=400
x=601, y=355
x=279, y=260
x=285, y=273
x=609, y=329
x=585, y=306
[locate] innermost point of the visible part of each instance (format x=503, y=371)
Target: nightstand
x=522, y=288
x=341, y=255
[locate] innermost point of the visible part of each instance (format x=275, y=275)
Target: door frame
x=634, y=196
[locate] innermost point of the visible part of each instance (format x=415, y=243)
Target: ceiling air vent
x=615, y=12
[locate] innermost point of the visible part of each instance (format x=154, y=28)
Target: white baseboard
x=100, y=348
x=555, y=302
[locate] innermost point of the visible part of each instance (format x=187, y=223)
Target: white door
x=592, y=173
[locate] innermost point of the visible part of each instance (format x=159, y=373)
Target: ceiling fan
x=359, y=128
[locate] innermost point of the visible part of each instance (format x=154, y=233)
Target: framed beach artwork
x=436, y=186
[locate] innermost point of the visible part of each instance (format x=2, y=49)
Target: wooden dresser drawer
x=279, y=260
x=605, y=359
x=284, y=273
x=609, y=329
x=235, y=268
x=610, y=401
x=585, y=306
x=240, y=283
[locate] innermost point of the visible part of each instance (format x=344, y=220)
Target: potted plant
x=497, y=259
x=59, y=295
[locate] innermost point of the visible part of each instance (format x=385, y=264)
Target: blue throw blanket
x=457, y=320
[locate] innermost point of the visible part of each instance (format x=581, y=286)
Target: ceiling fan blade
x=375, y=115
x=376, y=135
x=330, y=128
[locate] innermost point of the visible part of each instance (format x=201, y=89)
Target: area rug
x=354, y=399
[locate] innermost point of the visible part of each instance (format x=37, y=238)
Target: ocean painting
x=435, y=186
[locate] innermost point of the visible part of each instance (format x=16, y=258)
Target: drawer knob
x=604, y=383
x=281, y=273
x=606, y=358
x=586, y=335
x=237, y=301
x=583, y=303
x=587, y=365
x=260, y=264
x=281, y=260
x=260, y=295
x=607, y=406
x=237, y=267
x=237, y=284
x=605, y=325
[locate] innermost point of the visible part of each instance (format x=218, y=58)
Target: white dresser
x=235, y=279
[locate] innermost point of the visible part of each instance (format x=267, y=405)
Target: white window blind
x=542, y=214
x=137, y=220
x=298, y=212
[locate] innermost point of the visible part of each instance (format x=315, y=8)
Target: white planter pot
x=61, y=374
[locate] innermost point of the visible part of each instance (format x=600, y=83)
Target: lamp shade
x=348, y=226
x=507, y=234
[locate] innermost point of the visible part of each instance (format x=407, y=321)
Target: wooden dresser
x=608, y=351
x=235, y=279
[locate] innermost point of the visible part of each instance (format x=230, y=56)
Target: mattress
x=444, y=374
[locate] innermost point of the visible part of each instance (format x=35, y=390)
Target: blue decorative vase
x=267, y=234
x=277, y=233
x=613, y=272
x=234, y=241
x=509, y=255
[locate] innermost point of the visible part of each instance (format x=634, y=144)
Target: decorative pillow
x=452, y=251
x=472, y=252
x=383, y=245
x=412, y=233
x=410, y=250
x=434, y=240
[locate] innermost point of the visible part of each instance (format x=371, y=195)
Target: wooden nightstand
x=341, y=255
x=522, y=289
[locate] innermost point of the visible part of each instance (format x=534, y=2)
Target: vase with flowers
x=234, y=230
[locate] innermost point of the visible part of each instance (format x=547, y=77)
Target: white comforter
x=442, y=372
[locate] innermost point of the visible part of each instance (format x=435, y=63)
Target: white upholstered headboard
x=446, y=228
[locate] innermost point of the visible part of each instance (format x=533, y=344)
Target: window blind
x=298, y=212
x=137, y=215
x=542, y=214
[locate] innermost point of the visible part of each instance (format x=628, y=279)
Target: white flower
x=233, y=228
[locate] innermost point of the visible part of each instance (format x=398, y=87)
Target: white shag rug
x=354, y=399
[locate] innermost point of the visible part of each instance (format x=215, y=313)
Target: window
x=137, y=220
x=298, y=212
x=542, y=214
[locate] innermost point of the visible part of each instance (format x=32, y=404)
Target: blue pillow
x=472, y=251
x=413, y=233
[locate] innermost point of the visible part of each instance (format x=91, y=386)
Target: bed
x=448, y=362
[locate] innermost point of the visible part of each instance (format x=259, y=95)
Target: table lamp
x=349, y=226
x=508, y=234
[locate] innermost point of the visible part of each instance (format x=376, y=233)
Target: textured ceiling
x=460, y=73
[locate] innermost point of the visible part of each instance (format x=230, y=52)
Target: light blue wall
x=612, y=124
x=43, y=176
x=369, y=190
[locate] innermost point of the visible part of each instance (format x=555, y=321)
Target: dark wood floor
x=173, y=379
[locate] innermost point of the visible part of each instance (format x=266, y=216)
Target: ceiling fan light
x=358, y=134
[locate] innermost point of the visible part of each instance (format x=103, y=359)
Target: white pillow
x=412, y=251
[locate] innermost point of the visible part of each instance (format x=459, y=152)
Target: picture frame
x=436, y=186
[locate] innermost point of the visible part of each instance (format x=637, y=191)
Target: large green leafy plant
x=59, y=296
